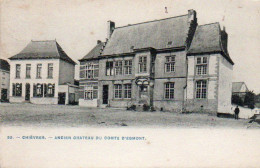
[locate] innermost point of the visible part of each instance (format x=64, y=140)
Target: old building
x=240, y=89
x=42, y=73
x=168, y=64
x=4, y=78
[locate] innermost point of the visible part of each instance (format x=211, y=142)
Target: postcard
x=95, y=83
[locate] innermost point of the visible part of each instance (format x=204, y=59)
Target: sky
x=78, y=24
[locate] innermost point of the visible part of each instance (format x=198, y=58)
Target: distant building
x=4, y=78
x=171, y=64
x=240, y=89
x=42, y=73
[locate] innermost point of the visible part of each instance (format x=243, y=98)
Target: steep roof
x=4, y=65
x=207, y=39
x=94, y=53
x=158, y=34
x=236, y=86
x=43, y=50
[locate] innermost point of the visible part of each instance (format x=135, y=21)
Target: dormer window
x=201, y=65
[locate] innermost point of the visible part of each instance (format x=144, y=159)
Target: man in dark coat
x=236, y=112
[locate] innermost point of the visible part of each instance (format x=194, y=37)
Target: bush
x=250, y=99
x=237, y=100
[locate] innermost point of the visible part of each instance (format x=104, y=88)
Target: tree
x=250, y=99
x=237, y=100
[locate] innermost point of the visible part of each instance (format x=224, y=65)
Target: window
x=17, y=89
x=89, y=71
x=169, y=90
x=91, y=91
x=201, y=89
x=38, y=90
x=127, y=90
x=201, y=65
x=28, y=71
x=128, y=67
x=39, y=71
x=170, y=64
x=118, y=91
x=50, y=70
x=49, y=90
x=118, y=67
x=18, y=71
x=142, y=64
x=109, y=68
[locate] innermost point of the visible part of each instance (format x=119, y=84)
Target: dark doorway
x=27, y=91
x=61, y=98
x=4, y=95
x=105, y=94
x=144, y=98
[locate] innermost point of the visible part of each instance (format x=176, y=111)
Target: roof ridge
x=209, y=24
x=42, y=40
x=56, y=46
x=151, y=21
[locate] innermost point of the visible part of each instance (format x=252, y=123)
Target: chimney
x=98, y=42
x=224, y=38
x=192, y=15
x=110, y=28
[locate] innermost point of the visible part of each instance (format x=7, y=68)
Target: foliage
x=237, y=100
x=250, y=99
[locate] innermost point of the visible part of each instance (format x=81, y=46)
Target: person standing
x=236, y=112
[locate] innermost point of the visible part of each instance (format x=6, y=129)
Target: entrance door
x=61, y=98
x=27, y=91
x=105, y=94
x=4, y=95
x=144, y=98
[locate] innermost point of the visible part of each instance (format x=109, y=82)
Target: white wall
x=33, y=79
x=211, y=76
x=225, y=85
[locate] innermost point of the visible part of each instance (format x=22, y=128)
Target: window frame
x=142, y=64
x=16, y=92
x=202, y=66
x=170, y=61
x=50, y=70
x=170, y=90
x=128, y=91
x=109, y=69
x=128, y=67
x=202, y=95
x=28, y=68
x=91, y=89
x=118, y=67
x=39, y=71
x=118, y=91
x=18, y=71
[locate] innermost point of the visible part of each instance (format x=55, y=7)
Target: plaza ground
x=75, y=116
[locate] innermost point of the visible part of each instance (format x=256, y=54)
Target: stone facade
x=173, y=79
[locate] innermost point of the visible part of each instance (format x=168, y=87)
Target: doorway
x=61, y=97
x=143, y=93
x=105, y=94
x=4, y=95
x=27, y=92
